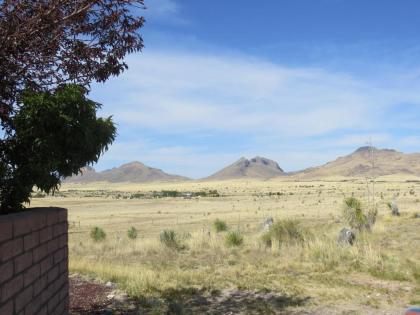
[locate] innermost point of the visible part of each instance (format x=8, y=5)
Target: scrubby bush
x=283, y=231
x=132, y=233
x=220, y=225
x=356, y=217
x=234, y=238
x=97, y=234
x=170, y=239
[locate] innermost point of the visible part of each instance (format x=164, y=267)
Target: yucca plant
x=354, y=215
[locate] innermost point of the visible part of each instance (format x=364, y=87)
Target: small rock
x=110, y=285
x=268, y=222
x=110, y=296
x=394, y=208
x=346, y=237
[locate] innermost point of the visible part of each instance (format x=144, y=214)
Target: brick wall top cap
x=32, y=211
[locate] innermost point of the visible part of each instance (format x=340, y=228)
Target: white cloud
x=183, y=93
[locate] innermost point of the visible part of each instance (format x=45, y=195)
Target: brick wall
x=34, y=262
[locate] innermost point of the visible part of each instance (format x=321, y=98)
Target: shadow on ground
x=192, y=301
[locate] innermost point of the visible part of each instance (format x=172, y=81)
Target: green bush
x=234, y=238
x=356, y=217
x=170, y=239
x=132, y=233
x=97, y=234
x=220, y=226
x=283, y=231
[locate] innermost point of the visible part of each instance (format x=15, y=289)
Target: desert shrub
x=132, y=233
x=220, y=225
x=283, y=231
x=170, y=239
x=97, y=234
x=234, y=238
x=356, y=217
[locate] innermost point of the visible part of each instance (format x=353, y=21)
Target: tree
x=50, y=53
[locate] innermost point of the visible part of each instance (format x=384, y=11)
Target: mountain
x=134, y=172
x=359, y=163
x=258, y=167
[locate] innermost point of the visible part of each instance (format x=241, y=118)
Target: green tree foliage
x=55, y=135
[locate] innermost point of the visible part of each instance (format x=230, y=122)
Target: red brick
x=64, y=266
x=31, y=275
x=40, y=285
x=21, y=225
x=53, y=302
x=52, y=217
x=46, y=264
x=31, y=240
x=45, y=234
x=59, y=255
x=23, y=262
x=60, y=229
x=53, y=245
x=6, y=230
x=40, y=252
x=62, y=215
x=23, y=298
x=53, y=274
x=63, y=241
x=7, y=309
x=11, y=287
x=11, y=249
x=42, y=311
x=39, y=220
x=59, y=310
x=6, y=271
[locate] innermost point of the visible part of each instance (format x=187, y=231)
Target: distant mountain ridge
x=135, y=172
x=257, y=167
x=356, y=164
x=359, y=163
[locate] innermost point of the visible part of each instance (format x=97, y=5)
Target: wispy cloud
x=180, y=94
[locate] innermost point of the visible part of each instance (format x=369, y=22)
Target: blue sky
x=298, y=81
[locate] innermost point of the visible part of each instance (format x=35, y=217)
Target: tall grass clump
x=132, y=233
x=97, y=234
x=170, y=239
x=282, y=232
x=234, y=239
x=220, y=225
x=356, y=217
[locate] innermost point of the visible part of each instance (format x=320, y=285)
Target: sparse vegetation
x=132, y=233
x=220, y=225
x=356, y=217
x=234, y=239
x=199, y=258
x=170, y=239
x=97, y=234
x=283, y=232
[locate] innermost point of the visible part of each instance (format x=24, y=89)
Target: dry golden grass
x=380, y=272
